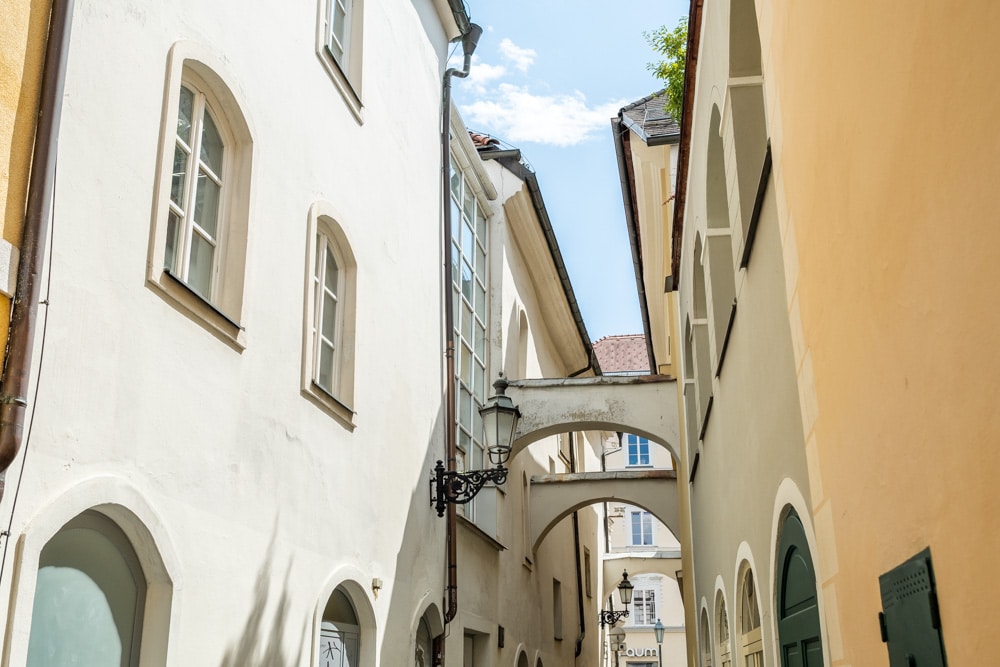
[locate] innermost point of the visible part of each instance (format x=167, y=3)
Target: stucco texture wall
x=883, y=120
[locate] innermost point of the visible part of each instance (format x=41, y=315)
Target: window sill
x=343, y=84
x=725, y=340
x=704, y=419
x=182, y=297
x=341, y=412
x=480, y=533
x=758, y=204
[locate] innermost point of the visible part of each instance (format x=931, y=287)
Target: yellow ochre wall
x=22, y=49
x=887, y=157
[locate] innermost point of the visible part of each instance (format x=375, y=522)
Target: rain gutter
x=38, y=212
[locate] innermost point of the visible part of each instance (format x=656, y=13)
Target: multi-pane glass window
x=338, y=26
x=644, y=606
x=725, y=656
x=642, y=528
x=193, y=222
x=468, y=271
x=327, y=287
x=638, y=450
x=337, y=648
x=751, y=642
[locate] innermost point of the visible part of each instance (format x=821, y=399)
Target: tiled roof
x=481, y=141
x=649, y=115
x=622, y=354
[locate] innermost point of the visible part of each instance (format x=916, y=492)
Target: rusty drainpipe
x=469, y=41
x=24, y=307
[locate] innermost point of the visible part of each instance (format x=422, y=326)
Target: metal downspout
x=576, y=544
x=469, y=39
x=38, y=211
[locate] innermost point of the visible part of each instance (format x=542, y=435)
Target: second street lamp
x=610, y=616
x=658, y=631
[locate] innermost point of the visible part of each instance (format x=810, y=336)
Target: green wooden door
x=798, y=613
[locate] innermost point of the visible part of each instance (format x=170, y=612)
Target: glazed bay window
x=193, y=228
x=201, y=213
x=338, y=24
x=469, y=280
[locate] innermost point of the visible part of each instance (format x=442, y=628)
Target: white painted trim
x=119, y=500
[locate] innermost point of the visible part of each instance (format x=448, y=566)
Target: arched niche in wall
x=719, y=240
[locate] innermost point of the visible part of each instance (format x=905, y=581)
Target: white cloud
x=521, y=57
x=517, y=115
x=481, y=74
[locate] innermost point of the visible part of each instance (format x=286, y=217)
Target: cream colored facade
x=831, y=343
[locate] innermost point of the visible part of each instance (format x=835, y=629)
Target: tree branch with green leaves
x=671, y=43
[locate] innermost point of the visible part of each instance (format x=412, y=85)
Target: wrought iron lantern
x=658, y=631
x=610, y=616
x=500, y=417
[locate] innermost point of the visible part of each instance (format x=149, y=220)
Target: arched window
x=705, y=640
x=746, y=91
x=89, y=597
x=328, y=345
x=722, y=632
x=751, y=644
x=340, y=632
x=719, y=239
x=522, y=660
x=197, y=256
x=702, y=357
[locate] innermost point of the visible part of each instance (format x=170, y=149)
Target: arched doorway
x=89, y=597
x=798, y=610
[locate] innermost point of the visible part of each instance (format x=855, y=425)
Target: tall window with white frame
x=469, y=281
x=194, y=228
x=338, y=29
x=644, y=606
x=637, y=451
x=642, y=528
x=327, y=321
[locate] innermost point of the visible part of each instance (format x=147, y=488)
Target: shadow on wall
x=420, y=564
x=260, y=644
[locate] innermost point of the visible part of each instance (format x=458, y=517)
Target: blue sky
x=547, y=78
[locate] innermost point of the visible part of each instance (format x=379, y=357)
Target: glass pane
x=456, y=219
x=177, y=179
x=331, y=271
x=469, y=204
x=324, y=376
x=467, y=324
x=464, y=441
x=200, y=271
x=477, y=425
x=211, y=145
x=339, y=20
x=480, y=301
x=173, y=229
x=455, y=259
x=480, y=340
x=329, y=316
x=465, y=408
x=467, y=281
x=456, y=305
x=479, y=383
x=184, y=115
x=206, y=204
x=477, y=458
x=480, y=262
x=466, y=367
x=481, y=227
x=456, y=182
x=468, y=242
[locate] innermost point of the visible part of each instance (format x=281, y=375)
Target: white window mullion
x=191, y=187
